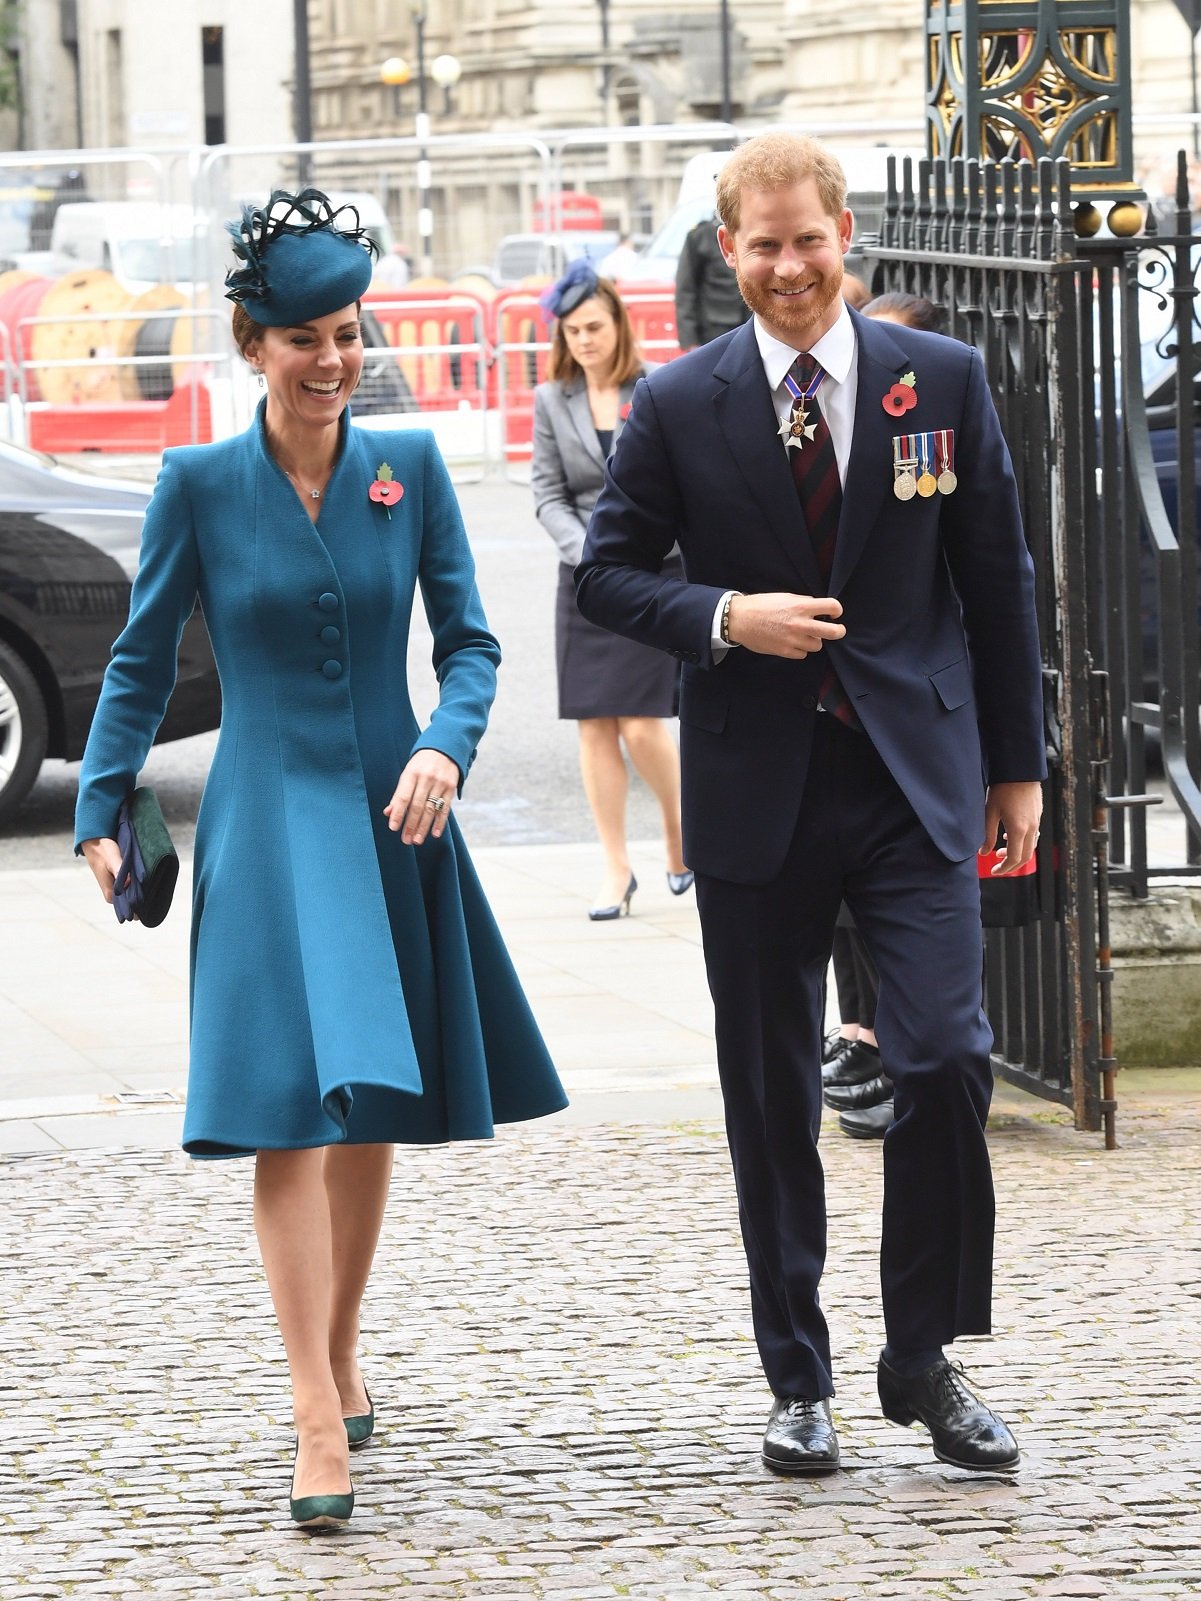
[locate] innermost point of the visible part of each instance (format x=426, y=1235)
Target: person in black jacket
x=707, y=299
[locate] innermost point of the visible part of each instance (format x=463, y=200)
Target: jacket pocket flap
x=954, y=683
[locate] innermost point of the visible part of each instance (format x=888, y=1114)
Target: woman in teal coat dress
x=349, y=986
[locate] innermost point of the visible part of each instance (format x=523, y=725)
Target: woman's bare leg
x=606, y=783
x=356, y=1184
x=291, y=1217
x=657, y=761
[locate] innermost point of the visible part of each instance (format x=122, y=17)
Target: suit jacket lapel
x=748, y=423
x=881, y=360
x=580, y=412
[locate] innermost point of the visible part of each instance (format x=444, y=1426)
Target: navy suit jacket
x=941, y=655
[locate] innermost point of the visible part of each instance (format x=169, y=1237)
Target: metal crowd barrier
x=130, y=417
x=452, y=361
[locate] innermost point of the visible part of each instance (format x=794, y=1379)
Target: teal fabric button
x=331, y=635
x=332, y=669
x=327, y=602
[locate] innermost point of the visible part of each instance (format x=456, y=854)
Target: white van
x=140, y=243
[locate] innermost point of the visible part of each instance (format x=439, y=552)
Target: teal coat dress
x=344, y=986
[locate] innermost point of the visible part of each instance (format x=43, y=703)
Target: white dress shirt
x=836, y=351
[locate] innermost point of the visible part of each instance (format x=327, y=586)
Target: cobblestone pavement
x=570, y=1404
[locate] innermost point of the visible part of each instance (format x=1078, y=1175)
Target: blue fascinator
x=576, y=285
x=301, y=260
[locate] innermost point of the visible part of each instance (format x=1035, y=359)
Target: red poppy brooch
x=385, y=489
x=902, y=397
x=626, y=410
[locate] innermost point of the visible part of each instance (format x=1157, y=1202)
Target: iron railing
x=989, y=243
x=1058, y=327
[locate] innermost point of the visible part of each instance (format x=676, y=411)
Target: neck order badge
x=797, y=428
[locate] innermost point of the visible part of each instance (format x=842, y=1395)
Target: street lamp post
x=726, y=105
x=395, y=73
x=302, y=94
x=425, y=214
x=446, y=72
x=605, y=74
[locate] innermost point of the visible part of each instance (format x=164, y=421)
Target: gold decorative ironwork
x=1030, y=78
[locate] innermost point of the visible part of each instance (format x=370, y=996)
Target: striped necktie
x=819, y=489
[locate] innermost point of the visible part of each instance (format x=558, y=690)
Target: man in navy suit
x=860, y=713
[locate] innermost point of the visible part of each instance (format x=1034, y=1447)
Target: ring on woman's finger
x=437, y=802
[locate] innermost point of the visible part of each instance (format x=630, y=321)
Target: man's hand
x=784, y=625
x=1013, y=810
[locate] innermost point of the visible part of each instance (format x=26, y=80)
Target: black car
x=68, y=553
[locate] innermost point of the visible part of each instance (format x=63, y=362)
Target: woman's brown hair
x=915, y=311
x=245, y=329
x=627, y=358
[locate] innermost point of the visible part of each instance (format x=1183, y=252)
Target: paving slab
x=557, y=1336
x=558, y=1344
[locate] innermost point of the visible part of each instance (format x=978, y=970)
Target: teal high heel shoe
x=319, y=1511
x=360, y=1429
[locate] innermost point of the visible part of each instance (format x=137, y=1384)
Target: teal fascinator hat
x=301, y=260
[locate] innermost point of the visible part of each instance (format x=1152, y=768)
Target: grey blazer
x=568, y=469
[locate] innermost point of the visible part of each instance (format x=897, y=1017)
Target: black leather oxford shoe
x=856, y=1065
x=964, y=1431
x=800, y=1437
x=869, y=1123
x=835, y=1045
x=855, y=1097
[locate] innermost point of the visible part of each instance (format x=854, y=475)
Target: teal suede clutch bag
x=143, y=887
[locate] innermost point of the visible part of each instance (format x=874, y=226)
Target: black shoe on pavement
x=835, y=1046
x=964, y=1431
x=856, y=1097
x=855, y=1065
x=871, y=1123
x=800, y=1437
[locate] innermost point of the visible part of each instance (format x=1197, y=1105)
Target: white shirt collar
x=835, y=350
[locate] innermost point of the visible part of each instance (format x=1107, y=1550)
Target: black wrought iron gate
x=1057, y=322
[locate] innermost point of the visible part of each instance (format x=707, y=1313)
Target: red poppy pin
x=626, y=410
x=385, y=489
x=902, y=397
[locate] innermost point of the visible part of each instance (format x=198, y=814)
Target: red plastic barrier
x=137, y=428
x=653, y=315
x=414, y=319
x=23, y=300
x=518, y=319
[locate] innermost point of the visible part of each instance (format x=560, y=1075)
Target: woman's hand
x=429, y=778
x=103, y=856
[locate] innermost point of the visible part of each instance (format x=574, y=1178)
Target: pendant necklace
x=313, y=494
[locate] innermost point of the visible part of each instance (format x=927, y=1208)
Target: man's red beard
x=796, y=315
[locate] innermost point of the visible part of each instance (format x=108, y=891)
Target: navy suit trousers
x=766, y=952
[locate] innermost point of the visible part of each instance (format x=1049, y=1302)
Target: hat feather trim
x=285, y=213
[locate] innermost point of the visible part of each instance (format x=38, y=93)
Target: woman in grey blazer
x=618, y=691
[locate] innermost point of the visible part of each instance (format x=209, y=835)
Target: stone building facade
x=141, y=75
x=531, y=68
x=135, y=72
